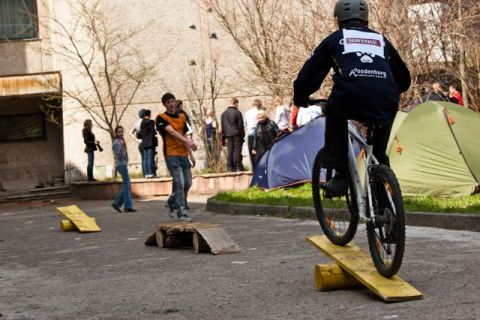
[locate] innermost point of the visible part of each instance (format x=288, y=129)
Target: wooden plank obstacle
x=353, y=268
x=203, y=237
x=77, y=220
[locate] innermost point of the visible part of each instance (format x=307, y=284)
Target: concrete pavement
x=47, y=274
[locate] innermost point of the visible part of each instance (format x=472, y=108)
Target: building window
x=18, y=19
x=25, y=127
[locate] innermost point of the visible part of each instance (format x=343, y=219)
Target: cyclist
x=368, y=78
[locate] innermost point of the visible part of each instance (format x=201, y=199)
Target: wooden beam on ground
x=218, y=240
x=359, y=265
x=330, y=277
x=67, y=225
x=80, y=219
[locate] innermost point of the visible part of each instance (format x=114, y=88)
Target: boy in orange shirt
x=177, y=148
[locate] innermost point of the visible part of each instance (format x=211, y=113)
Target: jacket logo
x=367, y=73
x=366, y=45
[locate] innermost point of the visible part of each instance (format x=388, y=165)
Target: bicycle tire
x=339, y=226
x=386, y=238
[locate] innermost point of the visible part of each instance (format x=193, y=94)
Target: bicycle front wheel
x=338, y=217
x=386, y=235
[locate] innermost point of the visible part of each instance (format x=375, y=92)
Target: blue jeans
x=140, y=149
x=124, y=196
x=148, y=158
x=91, y=158
x=180, y=169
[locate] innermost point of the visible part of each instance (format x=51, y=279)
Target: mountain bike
x=373, y=197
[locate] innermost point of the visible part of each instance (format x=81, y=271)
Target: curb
x=452, y=221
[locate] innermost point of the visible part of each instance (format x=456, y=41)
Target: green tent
x=435, y=150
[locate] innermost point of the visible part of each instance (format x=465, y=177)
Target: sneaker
x=185, y=217
x=114, y=206
x=130, y=210
x=337, y=187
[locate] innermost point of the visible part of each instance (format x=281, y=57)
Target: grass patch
x=302, y=197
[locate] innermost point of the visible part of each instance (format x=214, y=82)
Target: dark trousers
x=91, y=157
x=336, y=141
x=140, y=149
x=234, y=153
x=250, y=140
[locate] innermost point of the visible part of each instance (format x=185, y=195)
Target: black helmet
x=351, y=9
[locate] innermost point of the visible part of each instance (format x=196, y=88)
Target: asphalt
x=49, y=274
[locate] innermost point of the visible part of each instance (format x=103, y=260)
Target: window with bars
x=18, y=19
x=25, y=127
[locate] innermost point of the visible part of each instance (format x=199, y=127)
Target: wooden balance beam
x=354, y=267
x=81, y=221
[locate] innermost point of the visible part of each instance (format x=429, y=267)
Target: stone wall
x=208, y=184
x=26, y=164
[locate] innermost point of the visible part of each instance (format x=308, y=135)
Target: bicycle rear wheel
x=338, y=217
x=386, y=237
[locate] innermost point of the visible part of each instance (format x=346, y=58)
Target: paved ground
x=47, y=274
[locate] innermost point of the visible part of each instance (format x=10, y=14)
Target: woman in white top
x=282, y=113
x=305, y=115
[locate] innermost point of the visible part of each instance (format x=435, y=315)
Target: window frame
x=43, y=137
x=36, y=23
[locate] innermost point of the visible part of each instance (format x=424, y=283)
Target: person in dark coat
x=149, y=143
x=90, y=147
x=265, y=133
x=233, y=134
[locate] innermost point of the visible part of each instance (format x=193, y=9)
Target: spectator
x=234, y=134
x=124, y=197
x=90, y=147
x=305, y=115
x=210, y=130
x=455, y=95
x=293, y=120
x=436, y=94
x=265, y=133
x=189, y=123
x=172, y=126
x=135, y=134
x=250, y=124
x=282, y=113
x=149, y=143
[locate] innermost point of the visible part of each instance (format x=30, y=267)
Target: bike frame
x=363, y=194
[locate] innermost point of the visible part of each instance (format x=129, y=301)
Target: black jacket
x=148, y=134
x=232, y=123
x=271, y=129
x=369, y=74
x=89, y=140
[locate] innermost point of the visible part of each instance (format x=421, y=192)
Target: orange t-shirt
x=171, y=145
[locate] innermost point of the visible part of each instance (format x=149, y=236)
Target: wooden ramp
x=80, y=219
x=359, y=265
x=203, y=237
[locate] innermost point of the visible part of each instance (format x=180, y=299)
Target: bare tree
x=104, y=57
x=438, y=40
x=205, y=85
x=257, y=27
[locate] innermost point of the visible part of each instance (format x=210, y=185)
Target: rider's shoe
x=337, y=187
